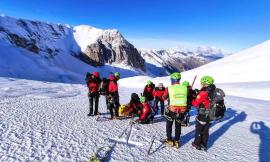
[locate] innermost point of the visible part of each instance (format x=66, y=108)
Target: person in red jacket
x=113, y=97
x=158, y=93
x=145, y=112
x=135, y=104
x=93, y=83
x=202, y=103
x=148, y=91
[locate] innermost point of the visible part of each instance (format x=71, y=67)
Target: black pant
x=113, y=108
x=113, y=105
x=170, y=118
x=186, y=119
x=201, y=134
x=157, y=100
x=93, y=97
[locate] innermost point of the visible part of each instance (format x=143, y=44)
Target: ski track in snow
x=48, y=122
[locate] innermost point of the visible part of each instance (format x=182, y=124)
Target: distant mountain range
x=61, y=52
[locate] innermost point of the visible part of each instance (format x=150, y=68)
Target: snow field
x=50, y=124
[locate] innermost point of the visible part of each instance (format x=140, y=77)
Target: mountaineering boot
x=98, y=113
x=177, y=144
x=195, y=146
x=203, y=148
x=169, y=142
x=90, y=114
x=184, y=125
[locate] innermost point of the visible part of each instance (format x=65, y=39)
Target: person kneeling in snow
x=131, y=109
x=135, y=104
x=145, y=116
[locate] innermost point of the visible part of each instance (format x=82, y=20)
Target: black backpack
x=88, y=77
x=104, y=86
x=217, y=105
x=135, y=98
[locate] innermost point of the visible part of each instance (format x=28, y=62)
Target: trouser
x=157, y=100
x=201, y=134
x=113, y=108
x=186, y=119
x=113, y=104
x=93, y=98
x=170, y=118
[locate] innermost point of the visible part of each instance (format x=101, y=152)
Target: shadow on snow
x=260, y=129
x=231, y=117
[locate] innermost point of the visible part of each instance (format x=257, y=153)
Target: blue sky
x=231, y=25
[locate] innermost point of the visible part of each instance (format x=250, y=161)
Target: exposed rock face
x=23, y=42
x=111, y=47
x=34, y=36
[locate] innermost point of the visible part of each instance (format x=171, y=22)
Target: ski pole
x=151, y=144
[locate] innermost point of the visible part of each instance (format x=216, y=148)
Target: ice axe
x=193, y=81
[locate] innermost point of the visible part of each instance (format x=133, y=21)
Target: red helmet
x=111, y=77
x=96, y=74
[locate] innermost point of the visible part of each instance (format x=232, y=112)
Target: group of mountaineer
x=180, y=98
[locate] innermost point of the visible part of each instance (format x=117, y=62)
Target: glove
x=196, y=91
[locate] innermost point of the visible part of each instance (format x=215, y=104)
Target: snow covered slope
x=48, y=122
x=242, y=74
x=42, y=121
x=250, y=65
x=86, y=35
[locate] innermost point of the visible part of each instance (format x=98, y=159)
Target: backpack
x=88, y=77
x=124, y=110
x=104, y=86
x=217, y=106
x=135, y=97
